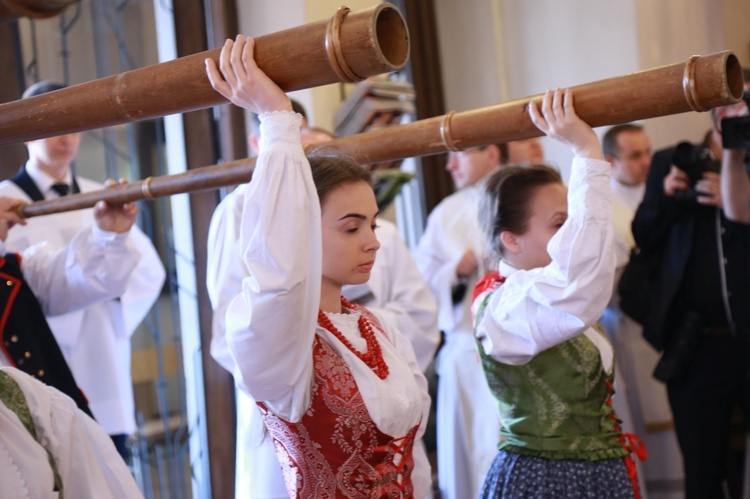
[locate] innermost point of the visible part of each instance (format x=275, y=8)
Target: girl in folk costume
x=550, y=371
x=340, y=390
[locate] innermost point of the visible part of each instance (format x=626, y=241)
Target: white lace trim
x=12, y=488
x=279, y=126
x=348, y=324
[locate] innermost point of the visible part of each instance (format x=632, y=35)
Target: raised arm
x=271, y=325
x=539, y=308
x=225, y=270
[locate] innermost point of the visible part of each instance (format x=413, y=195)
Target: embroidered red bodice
x=336, y=450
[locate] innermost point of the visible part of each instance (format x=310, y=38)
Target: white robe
x=86, y=459
x=651, y=416
x=468, y=426
x=96, y=340
x=95, y=266
x=271, y=325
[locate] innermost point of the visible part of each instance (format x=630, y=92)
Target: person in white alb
x=628, y=149
x=95, y=266
x=452, y=256
x=96, y=340
x=49, y=444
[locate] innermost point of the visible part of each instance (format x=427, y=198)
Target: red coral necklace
x=373, y=357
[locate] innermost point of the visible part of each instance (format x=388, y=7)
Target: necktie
x=61, y=189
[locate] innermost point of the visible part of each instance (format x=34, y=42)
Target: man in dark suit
x=699, y=297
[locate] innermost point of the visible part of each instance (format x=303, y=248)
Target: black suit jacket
x=663, y=226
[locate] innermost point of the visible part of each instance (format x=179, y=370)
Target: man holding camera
x=698, y=313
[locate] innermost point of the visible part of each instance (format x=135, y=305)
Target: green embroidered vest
x=557, y=405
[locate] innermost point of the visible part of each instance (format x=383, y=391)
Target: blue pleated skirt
x=514, y=476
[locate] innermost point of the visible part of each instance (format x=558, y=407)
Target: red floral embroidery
x=336, y=450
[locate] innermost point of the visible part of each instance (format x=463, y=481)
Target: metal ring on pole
x=688, y=86
x=333, y=48
x=146, y=188
x=445, y=132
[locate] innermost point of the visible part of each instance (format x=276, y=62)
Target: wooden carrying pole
x=699, y=84
x=38, y=9
x=350, y=47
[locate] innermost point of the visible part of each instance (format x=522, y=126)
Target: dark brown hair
x=42, y=87
x=331, y=172
x=609, y=141
x=505, y=197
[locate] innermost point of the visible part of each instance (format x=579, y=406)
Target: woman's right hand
x=239, y=79
x=558, y=119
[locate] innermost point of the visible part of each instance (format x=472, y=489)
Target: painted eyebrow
x=358, y=215
x=559, y=213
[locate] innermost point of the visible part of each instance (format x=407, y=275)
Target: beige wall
x=671, y=31
x=325, y=100
x=494, y=50
x=141, y=43
x=260, y=17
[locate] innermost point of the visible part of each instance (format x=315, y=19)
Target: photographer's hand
x=676, y=180
x=711, y=186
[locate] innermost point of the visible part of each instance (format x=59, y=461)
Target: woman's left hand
x=239, y=79
x=558, y=119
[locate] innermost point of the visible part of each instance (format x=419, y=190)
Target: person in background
x=522, y=151
x=640, y=400
x=95, y=340
x=451, y=256
x=93, y=267
x=698, y=299
x=735, y=183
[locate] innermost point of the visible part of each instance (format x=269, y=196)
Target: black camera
x=694, y=162
x=735, y=132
